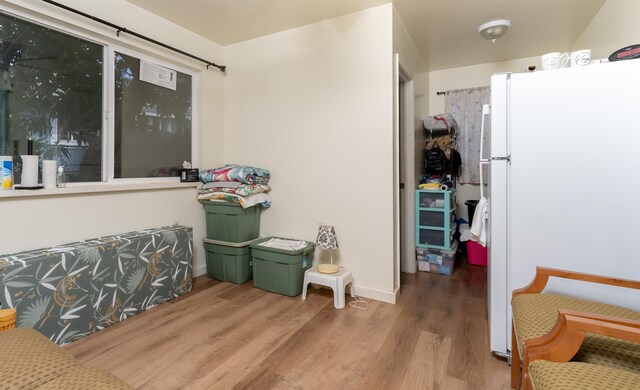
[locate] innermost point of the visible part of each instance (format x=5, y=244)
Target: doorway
x=404, y=175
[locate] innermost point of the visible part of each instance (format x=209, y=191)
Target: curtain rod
x=462, y=89
x=120, y=29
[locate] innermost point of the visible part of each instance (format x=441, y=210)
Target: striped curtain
x=466, y=107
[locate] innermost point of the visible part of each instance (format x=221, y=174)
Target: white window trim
x=95, y=188
x=141, y=50
x=110, y=83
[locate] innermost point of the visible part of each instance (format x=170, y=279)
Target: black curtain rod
x=120, y=29
x=440, y=93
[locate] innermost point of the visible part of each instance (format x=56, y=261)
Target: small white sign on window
x=158, y=75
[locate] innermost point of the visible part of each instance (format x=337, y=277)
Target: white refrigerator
x=561, y=172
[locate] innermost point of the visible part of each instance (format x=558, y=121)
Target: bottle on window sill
x=60, y=178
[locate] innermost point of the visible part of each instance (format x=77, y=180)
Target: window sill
x=94, y=188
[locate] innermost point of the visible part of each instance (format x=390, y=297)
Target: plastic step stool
x=337, y=282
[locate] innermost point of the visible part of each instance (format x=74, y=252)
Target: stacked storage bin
x=230, y=231
x=280, y=270
x=435, y=229
x=438, y=261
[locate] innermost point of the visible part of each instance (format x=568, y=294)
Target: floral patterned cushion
x=69, y=291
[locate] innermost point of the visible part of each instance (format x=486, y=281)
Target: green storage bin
x=229, y=222
x=227, y=261
x=278, y=270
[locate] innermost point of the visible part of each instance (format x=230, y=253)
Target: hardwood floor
x=223, y=336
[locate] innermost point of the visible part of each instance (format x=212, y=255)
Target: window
x=55, y=88
x=152, y=122
x=51, y=91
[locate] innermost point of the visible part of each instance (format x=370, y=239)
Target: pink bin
x=476, y=253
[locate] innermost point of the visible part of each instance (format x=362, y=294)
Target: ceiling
x=444, y=31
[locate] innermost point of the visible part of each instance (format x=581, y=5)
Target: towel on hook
x=479, y=224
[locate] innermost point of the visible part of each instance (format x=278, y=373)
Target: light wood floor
x=223, y=336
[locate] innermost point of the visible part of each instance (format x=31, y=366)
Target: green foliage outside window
x=51, y=91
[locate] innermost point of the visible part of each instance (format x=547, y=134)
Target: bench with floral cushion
x=69, y=291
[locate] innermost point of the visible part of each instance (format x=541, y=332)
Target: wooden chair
x=535, y=315
x=28, y=360
x=548, y=362
x=7, y=319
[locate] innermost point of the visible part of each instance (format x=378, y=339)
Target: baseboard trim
x=361, y=291
x=378, y=295
x=199, y=271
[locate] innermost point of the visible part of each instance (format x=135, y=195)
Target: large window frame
x=139, y=50
x=110, y=112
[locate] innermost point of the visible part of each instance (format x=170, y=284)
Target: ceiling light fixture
x=494, y=29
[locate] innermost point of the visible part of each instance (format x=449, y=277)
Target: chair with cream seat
x=535, y=315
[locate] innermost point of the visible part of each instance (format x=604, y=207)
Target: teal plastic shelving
x=435, y=218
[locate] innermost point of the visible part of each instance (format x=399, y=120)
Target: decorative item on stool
x=327, y=240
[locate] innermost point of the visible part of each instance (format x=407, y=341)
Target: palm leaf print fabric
x=69, y=291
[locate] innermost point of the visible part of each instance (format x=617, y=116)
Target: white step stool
x=337, y=282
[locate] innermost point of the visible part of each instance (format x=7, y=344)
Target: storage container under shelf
x=437, y=261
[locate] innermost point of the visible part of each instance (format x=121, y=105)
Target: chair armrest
x=567, y=335
x=543, y=274
x=7, y=319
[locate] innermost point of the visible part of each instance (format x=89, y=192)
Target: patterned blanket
x=262, y=199
x=242, y=189
x=234, y=172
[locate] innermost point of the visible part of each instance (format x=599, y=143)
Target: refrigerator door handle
x=486, y=110
x=482, y=177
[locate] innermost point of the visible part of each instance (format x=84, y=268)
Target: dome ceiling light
x=494, y=29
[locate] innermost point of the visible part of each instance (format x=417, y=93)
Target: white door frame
x=410, y=184
x=408, y=133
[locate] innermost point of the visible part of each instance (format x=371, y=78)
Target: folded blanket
x=281, y=243
x=262, y=199
x=233, y=172
x=242, y=189
x=222, y=184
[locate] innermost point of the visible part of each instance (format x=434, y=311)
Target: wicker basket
x=7, y=319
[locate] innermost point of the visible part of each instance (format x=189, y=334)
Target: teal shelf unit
x=435, y=218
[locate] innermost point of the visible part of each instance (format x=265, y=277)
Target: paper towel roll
x=29, y=171
x=49, y=171
x=444, y=187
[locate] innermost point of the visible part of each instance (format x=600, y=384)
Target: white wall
x=34, y=222
x=412, y=61
x=468, y=77
x=615, y=26
x=314, y=106
x=403, y=44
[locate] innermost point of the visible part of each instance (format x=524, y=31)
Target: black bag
x=435, y=160
x=456, y=163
